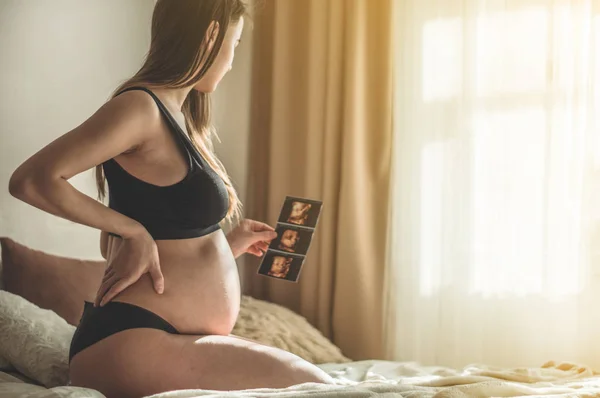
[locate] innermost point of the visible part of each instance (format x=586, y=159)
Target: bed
x=380, y=378
x=37, y=322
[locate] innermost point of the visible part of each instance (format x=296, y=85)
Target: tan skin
x=192, y=283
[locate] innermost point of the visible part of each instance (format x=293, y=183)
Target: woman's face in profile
x=224, y=59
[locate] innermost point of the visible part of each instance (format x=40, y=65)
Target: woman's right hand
x=136, y=256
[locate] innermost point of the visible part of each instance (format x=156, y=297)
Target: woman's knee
x=312, y=375
x=290, y=365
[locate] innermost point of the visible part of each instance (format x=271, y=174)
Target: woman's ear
x=211, y=34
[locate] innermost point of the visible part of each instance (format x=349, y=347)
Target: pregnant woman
x=170, y=294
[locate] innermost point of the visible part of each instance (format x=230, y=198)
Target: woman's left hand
x=251, y=237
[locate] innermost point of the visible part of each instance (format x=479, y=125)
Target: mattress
x=386, y=379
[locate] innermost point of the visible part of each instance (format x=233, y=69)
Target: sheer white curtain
x=495, y=247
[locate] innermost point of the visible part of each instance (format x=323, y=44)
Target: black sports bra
x=190, y=208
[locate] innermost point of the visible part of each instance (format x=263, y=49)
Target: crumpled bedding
x=386, y=379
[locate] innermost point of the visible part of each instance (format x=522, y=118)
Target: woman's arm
x=121, y=125
x=118, y=126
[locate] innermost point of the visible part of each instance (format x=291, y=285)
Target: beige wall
x=59, y=61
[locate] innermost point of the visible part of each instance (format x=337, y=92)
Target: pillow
x=51, y=282
x=277, y=326
x=4, y=363
x=34, y=340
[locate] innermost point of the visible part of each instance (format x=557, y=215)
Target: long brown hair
x=177, y=58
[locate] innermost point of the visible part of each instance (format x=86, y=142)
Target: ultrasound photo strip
x=295, y=228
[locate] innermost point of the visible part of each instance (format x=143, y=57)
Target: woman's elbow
x=20, y=185
x=29, y=187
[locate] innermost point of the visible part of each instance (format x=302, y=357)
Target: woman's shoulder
x=134, y=101
x=136, y=107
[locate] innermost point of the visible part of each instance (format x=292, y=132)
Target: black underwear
x=98, y=323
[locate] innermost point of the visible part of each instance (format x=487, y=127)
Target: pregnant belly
x=202, y=288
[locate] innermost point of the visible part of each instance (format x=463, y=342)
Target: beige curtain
x=322, y=103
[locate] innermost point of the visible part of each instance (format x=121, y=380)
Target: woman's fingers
x=104, y=287
x=108, y=273
x=266, y=235
x=115, y=289
x=255, y=251
x=158, y=280
x=262, y=246
x=260, y=226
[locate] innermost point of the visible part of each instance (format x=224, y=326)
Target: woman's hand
x=136, y=256
x=250, y=237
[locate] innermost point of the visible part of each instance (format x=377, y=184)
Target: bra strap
x=182, y=137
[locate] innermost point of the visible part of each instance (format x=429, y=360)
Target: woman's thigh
x=234, y=363
x=139, y=362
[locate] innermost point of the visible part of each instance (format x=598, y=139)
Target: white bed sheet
x=387, y=379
